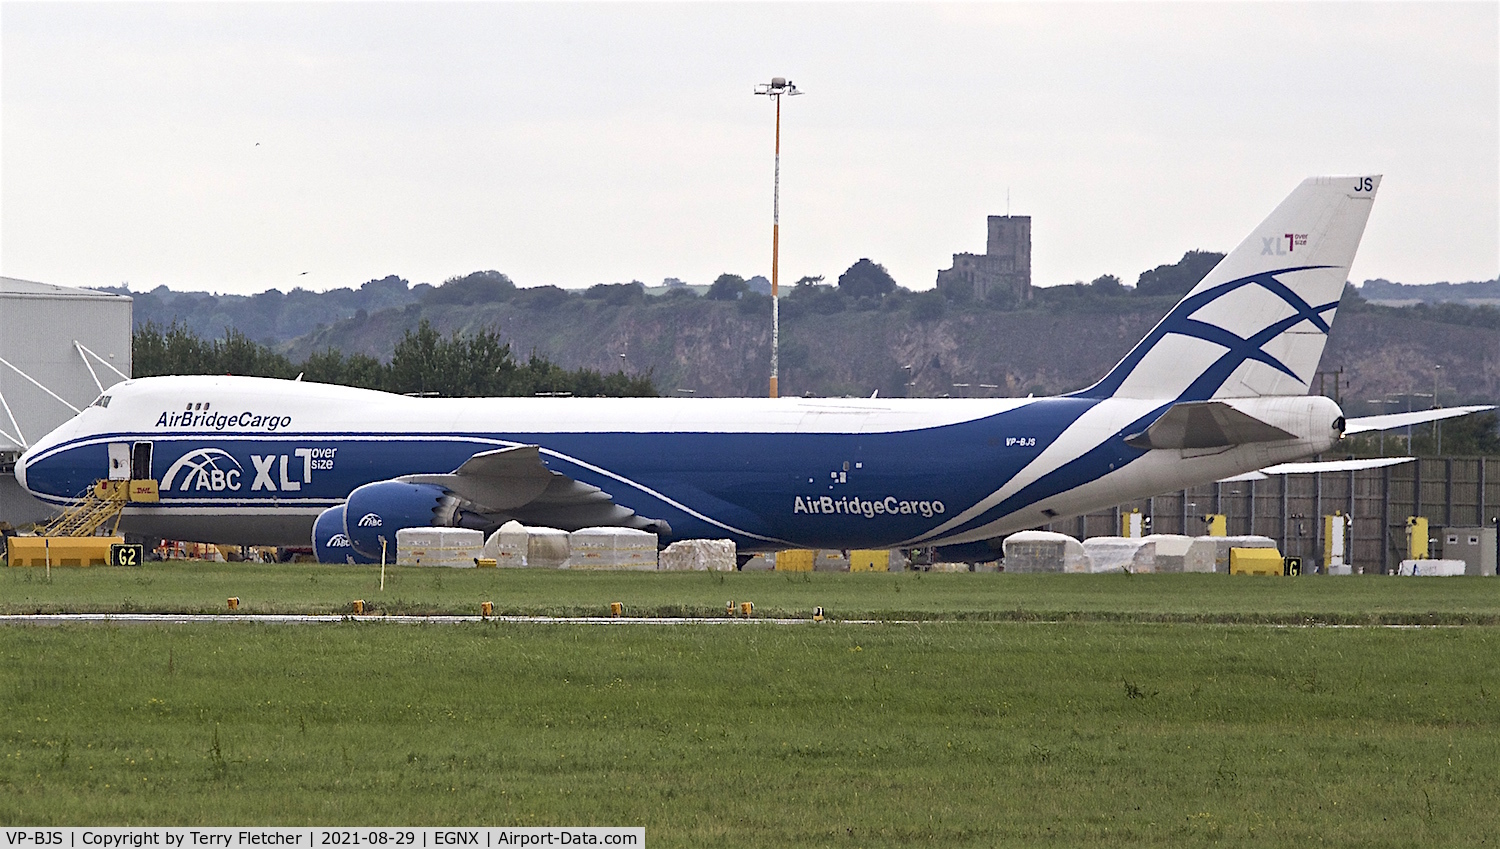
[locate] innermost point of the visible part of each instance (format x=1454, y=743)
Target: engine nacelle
x=377, y=510
x=330, y=542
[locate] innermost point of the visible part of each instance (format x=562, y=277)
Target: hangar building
x=59, y=349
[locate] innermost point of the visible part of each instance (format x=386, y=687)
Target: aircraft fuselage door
x=140, y=461
x=119, y=461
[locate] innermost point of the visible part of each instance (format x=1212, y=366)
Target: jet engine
x=377, y=510
x=330, y=542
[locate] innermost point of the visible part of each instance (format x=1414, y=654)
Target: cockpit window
x=101, y=401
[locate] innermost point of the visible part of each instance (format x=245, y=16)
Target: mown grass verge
x=961, y=734
x=299, y=588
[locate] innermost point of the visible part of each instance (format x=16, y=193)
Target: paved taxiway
x=331, y=618
x=313, y=619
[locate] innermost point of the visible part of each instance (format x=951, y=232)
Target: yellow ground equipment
x=870, y=561
x=795, y=560
x=1256, y=561
x=102, y=505
x=69, y=539
x=61, y=551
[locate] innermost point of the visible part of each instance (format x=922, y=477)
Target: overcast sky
x=234, y=146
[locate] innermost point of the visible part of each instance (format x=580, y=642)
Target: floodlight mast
x=774, y=90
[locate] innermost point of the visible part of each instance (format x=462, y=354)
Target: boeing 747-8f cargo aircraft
x=1217, y=389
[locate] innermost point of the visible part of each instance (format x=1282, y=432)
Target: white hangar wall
x=59, y=347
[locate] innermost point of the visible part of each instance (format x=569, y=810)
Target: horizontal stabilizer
x=1205, y=424
x=1370, y=424
x=1320, y=466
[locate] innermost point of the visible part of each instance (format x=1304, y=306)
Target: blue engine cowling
x=330, y=542
x=377, y=510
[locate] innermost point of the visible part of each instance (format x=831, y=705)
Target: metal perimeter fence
x=1451, y=492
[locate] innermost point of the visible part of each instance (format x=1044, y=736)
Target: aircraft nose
x=20, y=470
x=41, y=451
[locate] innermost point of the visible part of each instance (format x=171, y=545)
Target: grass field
x=966, y=734
x=179, y=587
x=952, y=733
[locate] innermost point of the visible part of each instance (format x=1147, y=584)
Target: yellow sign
x=121, y=554
x=144, y=491
x=1218, y=524
x=1416, y=538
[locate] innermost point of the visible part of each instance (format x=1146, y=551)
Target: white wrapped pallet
x=1223, y=544
x=1178, y=553
x=612, y=548
x=454, y=548
x=699, y=555
x=1044, y=551
x=941, y=566
x=546, y=548
x=1170, y=550
x=1118, y=554
x=1431, y=568
x=1200, y=556
x=507, y=546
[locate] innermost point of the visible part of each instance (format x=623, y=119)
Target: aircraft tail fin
x=1256, y=325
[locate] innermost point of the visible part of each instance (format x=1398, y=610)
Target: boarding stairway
x=102, y=504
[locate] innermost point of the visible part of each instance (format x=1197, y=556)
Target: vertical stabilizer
x=1256, y=325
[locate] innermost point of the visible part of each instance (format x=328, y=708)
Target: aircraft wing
x=514, y=483
x=1321, y=466
x=1367, y=424
x=1362, y=424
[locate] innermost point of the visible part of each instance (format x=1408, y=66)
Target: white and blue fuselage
x=253, y=460
x=1215, y=390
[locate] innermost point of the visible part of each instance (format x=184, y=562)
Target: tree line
x=272, y=317
x=424, y=361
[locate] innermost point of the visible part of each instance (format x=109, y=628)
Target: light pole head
x=777, y=87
